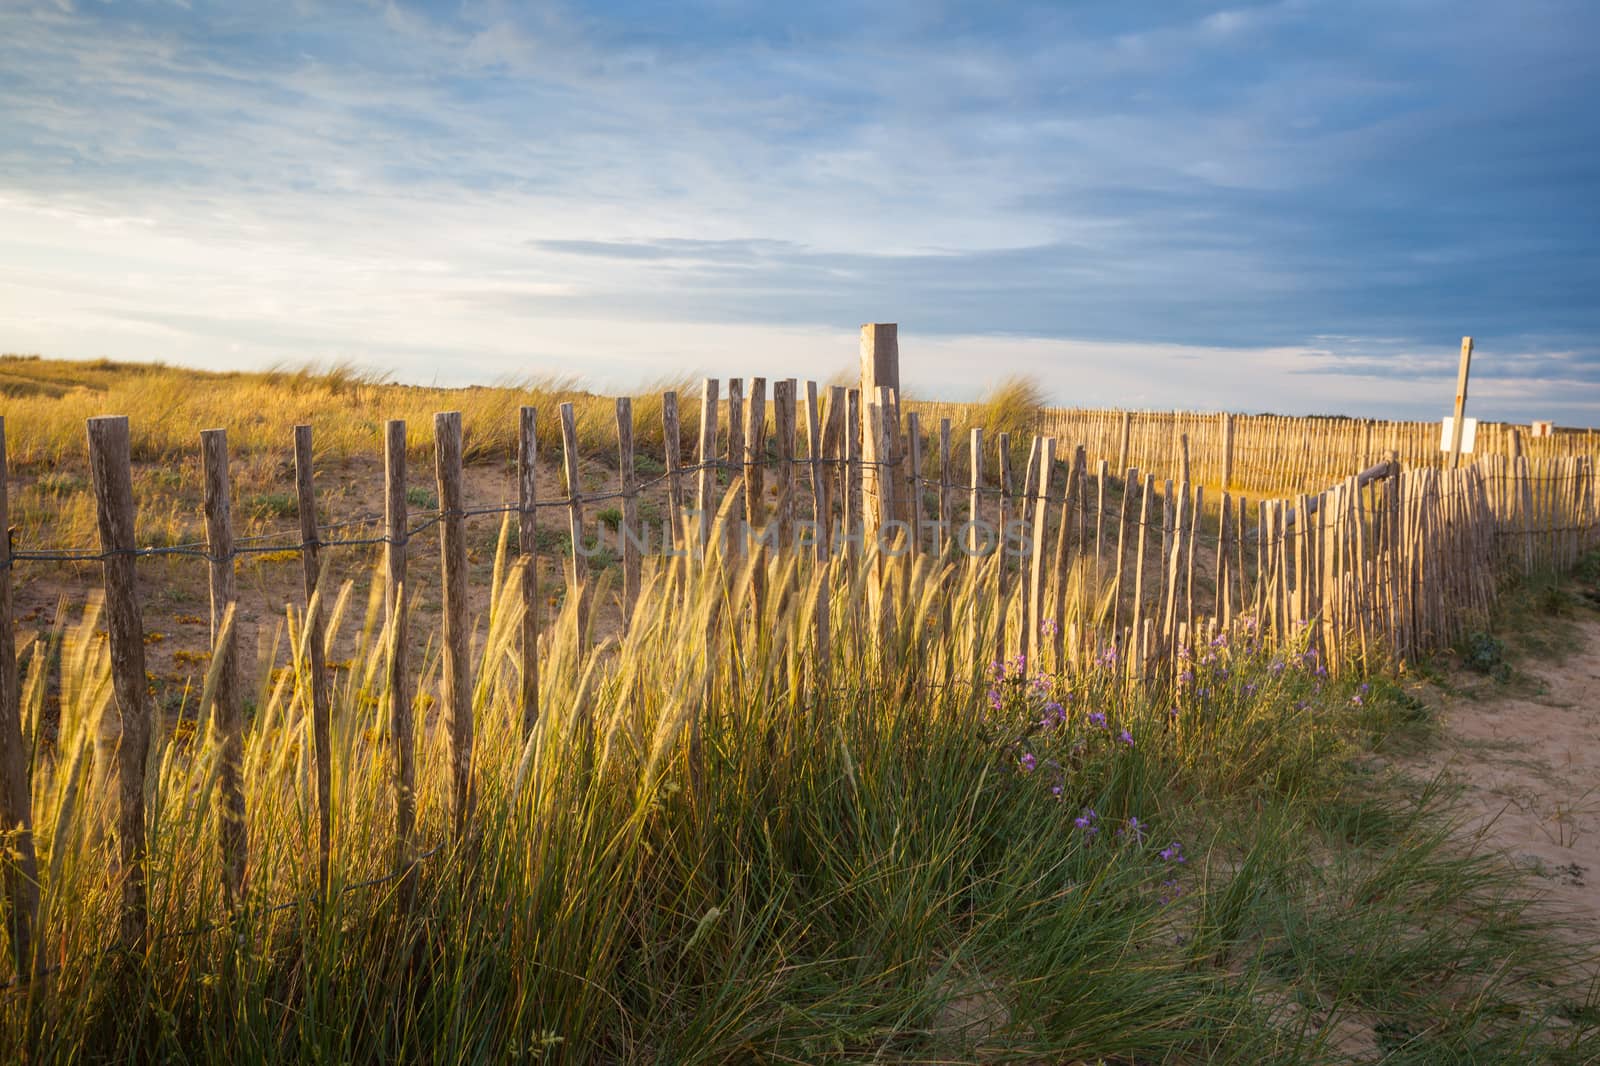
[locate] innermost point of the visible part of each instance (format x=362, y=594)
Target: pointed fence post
x=457, y=631
x=16, y=797
x=316, y=646
x=577, y=576
x=880, y=369
x=110, y=459
x=628, y=531
x=528, y=548
x=402, y=734
x=227, y=711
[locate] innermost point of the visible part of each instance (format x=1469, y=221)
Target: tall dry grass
x=899, y=853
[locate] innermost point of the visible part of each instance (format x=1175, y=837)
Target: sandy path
x=1529, y=766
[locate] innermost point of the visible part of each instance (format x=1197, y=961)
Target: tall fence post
x=16, y=797
x=705, y=495
x=528, y=548
x=1227, y=452
x=783, y=425
x=110, y=459
x=1036, y=576
x=816, y=445
x=316, y=646
x=577, y=583
x=227, y=715
x=880, y=369
x=736, y=523
x=457, y=634
x=753, y=463
x=395, y=599
x=671, y=432
x=628, y=531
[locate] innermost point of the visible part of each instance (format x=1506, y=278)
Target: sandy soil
x=1529, y=768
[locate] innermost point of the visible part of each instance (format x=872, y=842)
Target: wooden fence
x=1099, y=566
x=1263, y=454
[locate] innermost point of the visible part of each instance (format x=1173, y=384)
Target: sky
x=1296, y=206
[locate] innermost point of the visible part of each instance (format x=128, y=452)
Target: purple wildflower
x=1098, y=719
x=1126, y=737
x=1028, y=762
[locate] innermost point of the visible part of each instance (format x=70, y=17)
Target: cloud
x=1345, y=188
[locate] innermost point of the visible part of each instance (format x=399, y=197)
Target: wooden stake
x=16, y=797
x=946, y=510
x=396, y=595
x=629, y=532
x=316, y=640
x=735, y=531
x=577, y=576
x=706, y=483
x=913, y=508
x=109, y=465
x=755, y=473
x=527, y=545
x=457, y=634
x=1041, y=533
x=674, y=459
x=227, y=706
x=880, y=369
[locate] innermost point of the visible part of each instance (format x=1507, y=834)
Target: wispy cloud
x=1286, y=194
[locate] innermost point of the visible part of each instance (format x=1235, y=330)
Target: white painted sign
x=1469, y=433
x=1542, y=429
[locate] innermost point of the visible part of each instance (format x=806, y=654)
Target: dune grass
x=904, y=854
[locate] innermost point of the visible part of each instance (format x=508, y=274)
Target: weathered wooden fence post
x=457, y=633
x=705, y=496
x=753, y=463
x=1227, y=451
x=673, y=450
x=227, y=711
x=736, y=529
x=1036, y=576
x=316, y=647
x=396, y=598
x=110, y=458
x=528, y=549
x=628, y=531
x=577, y=575
x=16, y=797
x=1124, y=460
x=880, y=369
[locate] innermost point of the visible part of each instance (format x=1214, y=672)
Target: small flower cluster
x=1133, y=833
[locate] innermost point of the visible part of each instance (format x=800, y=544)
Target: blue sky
x=1296, y=206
